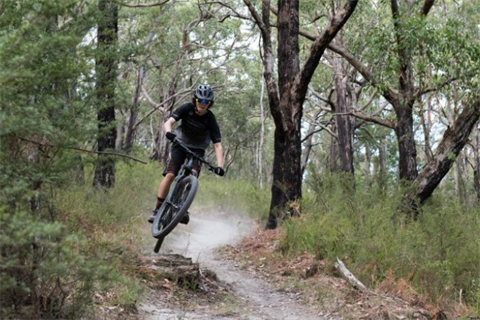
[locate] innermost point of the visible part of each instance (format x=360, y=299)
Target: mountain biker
x=198, y=128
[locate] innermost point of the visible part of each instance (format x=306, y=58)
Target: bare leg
x=165, y=185
x=162, y=193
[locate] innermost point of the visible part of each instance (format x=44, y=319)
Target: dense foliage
x=64, y=243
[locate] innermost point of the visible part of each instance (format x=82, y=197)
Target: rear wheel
x=171, y=212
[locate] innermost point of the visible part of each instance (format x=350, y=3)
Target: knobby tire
x=171, y=212
x=158, y=244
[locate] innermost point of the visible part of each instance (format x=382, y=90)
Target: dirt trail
x=256, y=298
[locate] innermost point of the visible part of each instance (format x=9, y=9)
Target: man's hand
x=219, y=171
x=170, y=136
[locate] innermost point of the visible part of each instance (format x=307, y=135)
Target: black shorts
x=177, y=158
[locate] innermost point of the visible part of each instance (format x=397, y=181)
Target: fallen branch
x=354, y=282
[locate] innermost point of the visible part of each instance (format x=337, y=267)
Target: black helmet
x=204, y=92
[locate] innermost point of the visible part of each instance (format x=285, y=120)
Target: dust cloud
x=206, y=231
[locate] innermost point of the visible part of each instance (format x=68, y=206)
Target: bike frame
x=185, y=171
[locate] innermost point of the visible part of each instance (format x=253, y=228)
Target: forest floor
x=222, y=266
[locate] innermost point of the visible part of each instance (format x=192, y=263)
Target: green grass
x=92, y=240
x=439, y=253
x=224, y=194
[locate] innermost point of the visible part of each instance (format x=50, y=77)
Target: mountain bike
x=181, y=195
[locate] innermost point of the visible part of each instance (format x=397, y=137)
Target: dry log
x=172, y=260
x=347, y=275
x=179, y=269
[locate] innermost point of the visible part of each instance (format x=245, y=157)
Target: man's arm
x=219, y=153
x=167, y=126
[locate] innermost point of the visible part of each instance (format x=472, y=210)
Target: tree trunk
x=161, y=150
x=120, y=133
x=262, y=135
x=476, y=157
x=308, y=144
x=132, y=118
x=286, y=102
x=106, y=66
x=426, y=125
x=454, y=139
x=287, y=179
x=333, y=157
x=287, y=176
x=368, y=162
x=459, y=182
x=406, y=87
x=406, y=144
x=382, y=164
x=342, y=118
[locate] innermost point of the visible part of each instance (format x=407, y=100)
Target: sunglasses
x=203, y=101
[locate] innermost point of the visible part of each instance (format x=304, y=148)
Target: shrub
x=45, y=271
x=439, y=253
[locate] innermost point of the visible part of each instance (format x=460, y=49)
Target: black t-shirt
x=196, y=131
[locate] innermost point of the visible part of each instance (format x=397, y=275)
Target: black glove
x=170, y=136
x=219, y=171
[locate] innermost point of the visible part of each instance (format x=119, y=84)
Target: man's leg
x=162, y=193
x=164, y=186
x=197, y=166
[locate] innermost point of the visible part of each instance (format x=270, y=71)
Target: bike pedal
x=186, y=218
x=152, y=216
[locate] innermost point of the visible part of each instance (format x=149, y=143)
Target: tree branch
x=235, y=12
x=300, y=84
x=453, y=141
x=389, y=94
x=84, y=150
x=267, y=59
x=322, y=127
x=144, y=5
x=435, y=88
x=385, y=123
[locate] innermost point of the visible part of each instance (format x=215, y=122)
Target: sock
x=159, y=202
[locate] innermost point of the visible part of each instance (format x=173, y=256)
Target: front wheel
x=173, y=210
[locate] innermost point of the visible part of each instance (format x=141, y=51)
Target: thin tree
x=106, y=66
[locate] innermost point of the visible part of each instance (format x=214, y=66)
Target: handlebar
x=193, y=154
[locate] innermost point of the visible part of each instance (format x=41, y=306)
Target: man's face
x=202, y=106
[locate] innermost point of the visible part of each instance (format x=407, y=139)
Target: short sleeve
x=181, y=111
x=215, y=134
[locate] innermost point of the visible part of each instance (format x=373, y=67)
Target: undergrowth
x=79, y=247
x=232, y=196
x=438, y=255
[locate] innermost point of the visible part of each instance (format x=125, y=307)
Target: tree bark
x=333, y=165
x=426, y=125
x=382, y=167
x=132, y=118
x=407, y=166
x=106, y=66
x=368, y=162
x=286, y=102
x=454, y=139
x=342, y=118
x=160, y=150
x=287, y=179
x=308, y=144
x=262, y=136
x=476, y=157
x=404, y=97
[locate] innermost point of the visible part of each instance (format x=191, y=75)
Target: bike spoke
x=178, y=202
